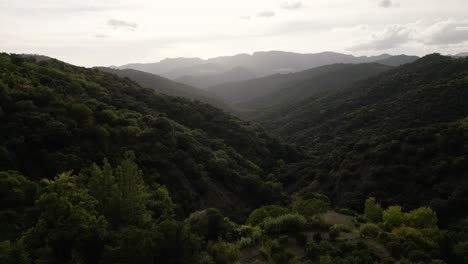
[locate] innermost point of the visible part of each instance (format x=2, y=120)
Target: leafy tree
x=310, y=207
x=13, y=253
x=369, y=230
x=372, y=210
x=461, y=251
x=393, y=217
x=17, y=195
x=423, y=217
x=223, y=252
x=209, y=224
x=69, y=228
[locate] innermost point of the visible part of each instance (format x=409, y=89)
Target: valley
x=341, y=163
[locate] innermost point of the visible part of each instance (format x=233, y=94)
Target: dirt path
x=333, y=218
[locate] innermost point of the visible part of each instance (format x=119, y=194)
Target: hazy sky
x=105, y=32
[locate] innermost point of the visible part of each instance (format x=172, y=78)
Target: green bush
x=310, y=207
x=289, y=223
x=369, y=230
x=258, y=215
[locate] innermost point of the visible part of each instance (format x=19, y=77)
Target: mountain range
x=202, y=73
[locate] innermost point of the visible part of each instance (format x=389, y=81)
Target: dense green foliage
x=57, y=117
x=97, y=169
x=401, y=137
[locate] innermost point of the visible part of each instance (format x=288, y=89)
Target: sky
x=116, y=32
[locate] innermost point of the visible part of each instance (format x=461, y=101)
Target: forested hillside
x=311, y=83
x=401, y=136
x=95, y=168
x=165, y=86
x=57, y=117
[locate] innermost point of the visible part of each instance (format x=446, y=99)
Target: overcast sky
x=115, y=32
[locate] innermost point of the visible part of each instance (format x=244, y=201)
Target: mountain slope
x=57, y=117
x=400, y=136
x=203, y=81
x=397, y=60
x=165, y=86
x=330, y=78
x=236, y=92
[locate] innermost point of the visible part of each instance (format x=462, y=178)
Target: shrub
x=310, y=207
x=245, y=242
x=258, y=215
x=373, y=211
x=223, y=252
x=369, y=230
x=289, y=223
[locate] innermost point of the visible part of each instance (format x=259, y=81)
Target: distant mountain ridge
x=195, y=70
x=165, y=86
x=463, y=54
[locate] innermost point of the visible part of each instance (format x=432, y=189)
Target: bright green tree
x=393, y=217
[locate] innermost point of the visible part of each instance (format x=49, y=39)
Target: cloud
x=266, y=14
x=245, y=17
x=391, y=37
x=446, y=32
x=292, y=5
x=438, y=34
x=120, y=24
x=386, y=3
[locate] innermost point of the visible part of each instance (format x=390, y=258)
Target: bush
x=310, y=208
x=334, y=232
x=223, y=252
x=373, y=211
x=258, y=215
x=369, y=230
x=245, y=242
x=209, y=224
x=289, y=223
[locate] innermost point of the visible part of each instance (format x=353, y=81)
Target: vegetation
x=97, y=169
x=57, y=117
x=165, y=86
x=400, y=137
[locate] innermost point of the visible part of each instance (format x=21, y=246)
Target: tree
x=461, y=251
x=103, y=186
x=69, y=228
x=209, y=224
x=122, y=194
x=16, y=197
x=132, y=193
x=310, y=207
x=393, y=217
x=373, y=210
x=423, y=217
